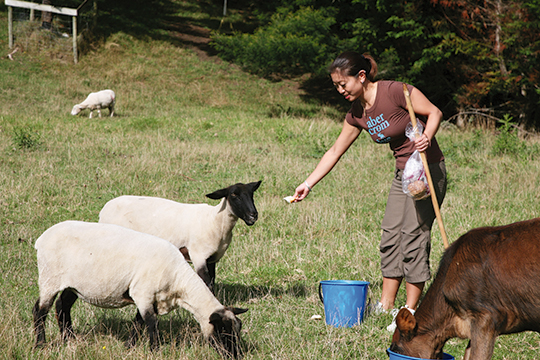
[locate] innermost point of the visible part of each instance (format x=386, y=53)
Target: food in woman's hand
x=290, y=199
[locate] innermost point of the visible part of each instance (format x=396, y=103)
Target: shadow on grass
x=182, y=23
x=234, y=293
x=189, y=24
x=322, y=90
x=178, y=329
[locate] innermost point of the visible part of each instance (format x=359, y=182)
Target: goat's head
x=240, y=199
x=226, y=336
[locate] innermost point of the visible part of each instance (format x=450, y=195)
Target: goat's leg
x=63, y=313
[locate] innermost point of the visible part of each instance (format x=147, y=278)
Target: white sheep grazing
x=111, y=266
x=202, y=232
x=96, y=101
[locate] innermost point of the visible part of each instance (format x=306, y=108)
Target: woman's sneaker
x=394, y=312
x=377, y=309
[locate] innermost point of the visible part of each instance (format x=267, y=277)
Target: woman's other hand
x=422, y=142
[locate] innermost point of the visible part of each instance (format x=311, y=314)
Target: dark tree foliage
x=292, y=44
x=468, y=56
x=494, y=49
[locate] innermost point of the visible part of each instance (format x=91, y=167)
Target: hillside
x=187, y=124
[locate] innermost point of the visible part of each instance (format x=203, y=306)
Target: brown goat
x=487, y=285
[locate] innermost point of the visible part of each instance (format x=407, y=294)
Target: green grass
x=186, y=127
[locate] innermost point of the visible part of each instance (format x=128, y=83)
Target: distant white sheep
x=202, y=232
x=111, y=266
x=96, y=101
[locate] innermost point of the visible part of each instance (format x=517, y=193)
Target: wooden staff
x=426, y=168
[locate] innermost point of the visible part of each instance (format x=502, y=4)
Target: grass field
x=187, y=126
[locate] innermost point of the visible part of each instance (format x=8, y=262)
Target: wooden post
x=75, y=55
x=10, y=26
x=426, y=169
x=43, y=8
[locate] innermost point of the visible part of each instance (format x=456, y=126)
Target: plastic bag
x=411, y=132
x=414, y=180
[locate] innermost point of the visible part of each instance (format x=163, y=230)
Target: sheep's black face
x=240, y=198
x=226, y=336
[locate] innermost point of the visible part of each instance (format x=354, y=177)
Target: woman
x=379, y=107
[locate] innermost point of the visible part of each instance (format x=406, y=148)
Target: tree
x=478, y=56
x=494, y=49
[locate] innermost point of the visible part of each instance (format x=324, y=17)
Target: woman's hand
x=301, y=192
x=422, y=142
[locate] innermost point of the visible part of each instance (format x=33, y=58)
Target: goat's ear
x=255, y=185
x=406, y=324
x=218, y=194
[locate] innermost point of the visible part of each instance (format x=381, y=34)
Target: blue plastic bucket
x=344, y=301
x=396, y=356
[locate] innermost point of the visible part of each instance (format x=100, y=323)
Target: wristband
x=309, y=187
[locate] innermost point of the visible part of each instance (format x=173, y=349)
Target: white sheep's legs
x=201, y=268
x=40, y=311
x=211, y=274
x=150, y=319
x=63, y=313
x=135, y=331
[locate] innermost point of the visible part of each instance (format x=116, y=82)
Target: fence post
x=10, y=26
x=75, y=56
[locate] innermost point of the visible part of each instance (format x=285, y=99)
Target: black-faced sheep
x=202, y=232
x=96, y=101
x=111, y=266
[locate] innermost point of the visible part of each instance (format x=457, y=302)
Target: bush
x=25, y=138
x=508, y=142
x=293, y=43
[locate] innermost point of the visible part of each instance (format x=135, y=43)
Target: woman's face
x=351, y=87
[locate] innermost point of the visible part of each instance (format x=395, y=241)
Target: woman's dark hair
x=350, y=63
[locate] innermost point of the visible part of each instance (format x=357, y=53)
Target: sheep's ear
x=238, y=311
x=218, y=194
x=255, y=185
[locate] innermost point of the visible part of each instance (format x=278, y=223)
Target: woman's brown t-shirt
x=386, y=121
